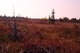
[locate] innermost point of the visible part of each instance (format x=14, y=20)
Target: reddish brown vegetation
x=40, y=38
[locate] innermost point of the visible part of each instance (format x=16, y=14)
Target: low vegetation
x=35, y=37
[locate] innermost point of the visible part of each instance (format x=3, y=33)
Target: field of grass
x=40, y=37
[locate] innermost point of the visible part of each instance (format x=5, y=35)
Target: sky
x=41, y=8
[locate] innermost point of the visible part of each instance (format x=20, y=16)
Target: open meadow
x=39, y=36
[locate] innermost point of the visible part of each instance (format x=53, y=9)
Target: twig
x=44, y=49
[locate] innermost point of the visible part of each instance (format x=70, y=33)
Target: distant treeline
x=5, y=17
x=64, y=19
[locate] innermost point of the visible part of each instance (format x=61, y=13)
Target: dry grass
x=41, y=38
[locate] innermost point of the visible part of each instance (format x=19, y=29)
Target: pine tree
x=52, y=18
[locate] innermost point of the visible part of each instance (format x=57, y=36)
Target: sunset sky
x=41, y=8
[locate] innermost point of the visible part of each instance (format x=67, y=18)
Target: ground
x=40, y=37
